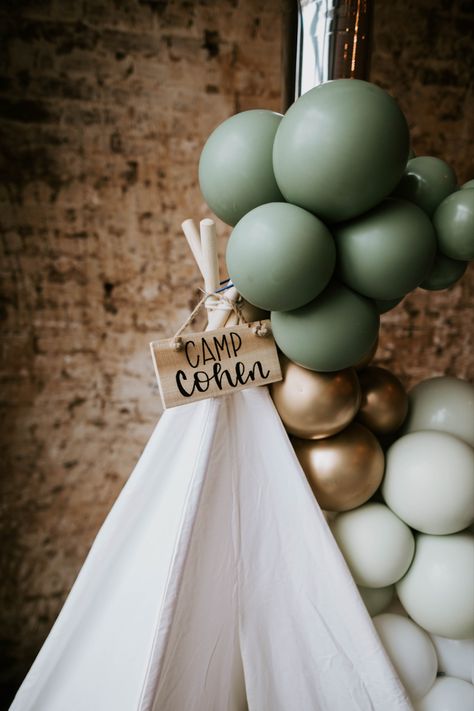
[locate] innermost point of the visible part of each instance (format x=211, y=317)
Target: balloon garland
x=335, y=221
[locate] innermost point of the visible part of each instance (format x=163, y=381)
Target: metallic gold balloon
x=314, y=405
x=384, y=404
x=343, y=471
x=369, y=356
x=253, y=313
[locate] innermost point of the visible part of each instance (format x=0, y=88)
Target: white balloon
x=377, y=599
x=445, y=404
x=429, y=482
x=438, y=590
x=448, y=694
x=411, y=652
x=377, y=546
x=455, y=657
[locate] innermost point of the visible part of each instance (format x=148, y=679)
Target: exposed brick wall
x=104, y=109
x=424, y=55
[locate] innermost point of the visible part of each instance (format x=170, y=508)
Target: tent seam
x=143, y=704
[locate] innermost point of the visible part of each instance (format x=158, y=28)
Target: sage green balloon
x=426, y=182
x=444, y=273
x=468, y=184
x=235, y=168
x=387, y=252
x=330, y=333
x=454, y=225
x=384, y=305
x=280, y=256
x=340, y=149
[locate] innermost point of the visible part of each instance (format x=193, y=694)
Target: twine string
x=220, y=301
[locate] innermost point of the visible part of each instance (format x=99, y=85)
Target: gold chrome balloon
x=251, y=312
x=369, y=356
x=384, y=404
x=314, y=405
x=343, y=471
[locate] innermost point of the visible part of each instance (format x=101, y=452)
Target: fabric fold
x=214, y=584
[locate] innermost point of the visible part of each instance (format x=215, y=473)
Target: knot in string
x=219, y=301
x=261, y=330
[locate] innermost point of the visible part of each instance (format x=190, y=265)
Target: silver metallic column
x=332, y=42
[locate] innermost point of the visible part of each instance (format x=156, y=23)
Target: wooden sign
x=214, y=363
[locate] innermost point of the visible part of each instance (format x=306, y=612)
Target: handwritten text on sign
x=214, y=363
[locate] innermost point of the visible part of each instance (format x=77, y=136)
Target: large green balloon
x=235, y=169
x=331, y=333
x=340, y=149
x=280, y=256
x=444, y=273
x=387, y=252
x=384, y=305
x=426, y=182
x=454, y=225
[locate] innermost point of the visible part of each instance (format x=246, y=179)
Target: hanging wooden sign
x=214, y=363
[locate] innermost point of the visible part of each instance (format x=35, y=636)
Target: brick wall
x=424, y=55
x=104, y=109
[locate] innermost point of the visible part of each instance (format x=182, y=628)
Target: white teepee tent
x=214, y=583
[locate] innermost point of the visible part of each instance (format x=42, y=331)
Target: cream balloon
x=448, y=694
x=445, y=404
x=377, y=600
x=315, y=405
x=438, y=590
x=411, y=652
x=455, y=657
x=377, y=546
x=429, y=482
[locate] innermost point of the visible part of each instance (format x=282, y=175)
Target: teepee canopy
x=214, y=583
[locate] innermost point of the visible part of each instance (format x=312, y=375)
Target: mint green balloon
x=377, y=599
x=387, y=252
x=235, y=168
x=280, y=256
x=445, y=404
x=330, y=333
x=426, y=182
x=429, y=482
x=377, y=546
x=444, y=273
x=438, y=589
x=468, y=184
x=340, y=149
x=454, y=225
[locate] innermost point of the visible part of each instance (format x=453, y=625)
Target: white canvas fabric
x=214, y=585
